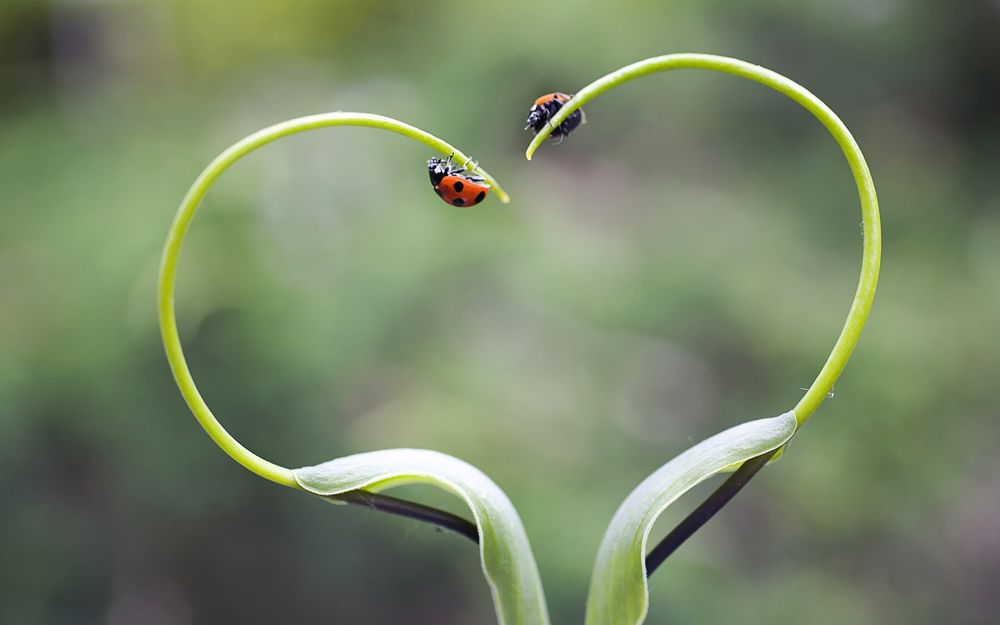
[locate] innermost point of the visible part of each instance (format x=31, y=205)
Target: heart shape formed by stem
x=619, y=594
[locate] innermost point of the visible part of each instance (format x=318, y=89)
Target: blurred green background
x=680, y=264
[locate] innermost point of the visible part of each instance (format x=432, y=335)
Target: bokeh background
x=681, y=264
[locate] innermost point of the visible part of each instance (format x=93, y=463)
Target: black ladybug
x=546, y=107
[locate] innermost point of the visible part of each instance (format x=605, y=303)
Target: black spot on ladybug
x=458, y=202
x=479, y=198
x=459, y=186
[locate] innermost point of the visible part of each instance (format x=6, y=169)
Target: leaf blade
x=507, y=561
x=619, y=593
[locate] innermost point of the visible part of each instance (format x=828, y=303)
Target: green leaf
x=619, y=594
x=506, y=556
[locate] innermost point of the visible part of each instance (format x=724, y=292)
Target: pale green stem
x=175, y=239
x=865, y=293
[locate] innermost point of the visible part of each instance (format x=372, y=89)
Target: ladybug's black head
x=438, y=168
x=537, y=117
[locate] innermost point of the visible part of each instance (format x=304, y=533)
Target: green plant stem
x=865, y=293
x=704, y=512
x=175, y=239
x=410, y=510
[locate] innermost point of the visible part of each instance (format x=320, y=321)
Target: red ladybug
x=454, y=186
x=546, y=107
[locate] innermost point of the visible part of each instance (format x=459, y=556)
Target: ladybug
x=453, y=185
x=546, y=107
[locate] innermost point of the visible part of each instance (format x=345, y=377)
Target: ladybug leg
x=553, y=130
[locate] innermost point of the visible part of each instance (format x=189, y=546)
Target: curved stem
x=175, y=239
x=411, y=510
x=865, y=293
x=704, y=512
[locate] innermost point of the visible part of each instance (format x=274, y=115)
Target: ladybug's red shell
x=458, y=190
x=453, y=186
x=562, y=98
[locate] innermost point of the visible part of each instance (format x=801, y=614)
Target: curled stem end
x=872, y=244
x=175, y=239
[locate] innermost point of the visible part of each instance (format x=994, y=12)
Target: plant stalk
x=708, y=508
